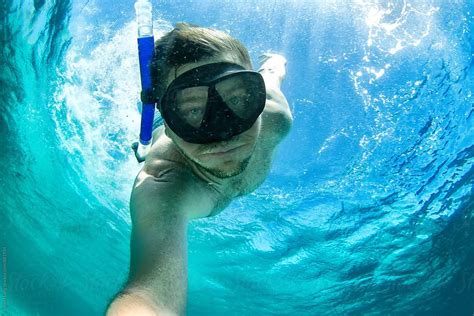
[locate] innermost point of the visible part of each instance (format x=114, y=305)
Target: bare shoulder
x=171, y=186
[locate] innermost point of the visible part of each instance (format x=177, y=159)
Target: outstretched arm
x=158, y=267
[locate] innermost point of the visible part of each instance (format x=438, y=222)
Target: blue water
x=368, y=209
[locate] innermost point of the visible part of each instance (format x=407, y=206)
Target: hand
x=274, y=64
x=266, y=56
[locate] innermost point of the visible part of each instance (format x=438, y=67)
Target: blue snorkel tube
x=146, y=44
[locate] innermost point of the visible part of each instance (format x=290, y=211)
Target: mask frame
x=220, y=121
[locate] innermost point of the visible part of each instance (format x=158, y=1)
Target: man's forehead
x=177, y=71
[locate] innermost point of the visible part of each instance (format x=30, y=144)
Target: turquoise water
x=368, y=209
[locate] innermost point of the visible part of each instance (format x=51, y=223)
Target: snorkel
x=146, y=45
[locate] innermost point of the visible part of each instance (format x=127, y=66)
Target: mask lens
x=191, y=104
x=242, y=93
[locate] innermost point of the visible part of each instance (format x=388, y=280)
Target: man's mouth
x=224, y=150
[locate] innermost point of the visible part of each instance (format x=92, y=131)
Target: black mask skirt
x=213, y=102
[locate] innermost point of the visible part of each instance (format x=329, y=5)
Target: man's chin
x=223, y=174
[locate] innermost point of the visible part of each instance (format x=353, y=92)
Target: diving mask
x=213, y=102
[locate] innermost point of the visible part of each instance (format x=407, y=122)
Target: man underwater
x=222, y=123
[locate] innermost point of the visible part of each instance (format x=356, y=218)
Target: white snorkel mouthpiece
x=144, y=18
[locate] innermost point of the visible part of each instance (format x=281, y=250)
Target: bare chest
x=245, y=183
x=254, y=175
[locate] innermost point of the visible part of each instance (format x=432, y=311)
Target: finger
x=262, y=58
